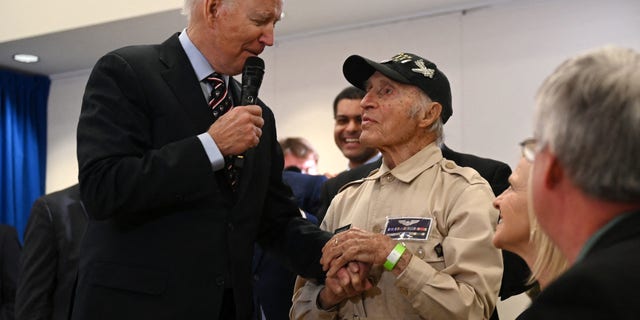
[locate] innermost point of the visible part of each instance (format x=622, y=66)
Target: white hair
x=437, y=126
x=188, y=7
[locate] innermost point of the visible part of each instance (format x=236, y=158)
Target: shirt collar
x=199, y=63
x=414, y=166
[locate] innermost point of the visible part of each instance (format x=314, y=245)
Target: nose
x=268, y=35
x=368, y=101
x=497, y=201
x=353, y=125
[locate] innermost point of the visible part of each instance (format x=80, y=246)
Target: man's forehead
x=269, y=8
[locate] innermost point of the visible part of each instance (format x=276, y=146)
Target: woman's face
x=512, y=232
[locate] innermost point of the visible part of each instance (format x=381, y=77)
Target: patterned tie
x=220, y=102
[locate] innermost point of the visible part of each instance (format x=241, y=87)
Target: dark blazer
x=306, y=189
x=603, y=285
x=49, y=264
x=9, y=259
x=166, y=235
x=273, y=283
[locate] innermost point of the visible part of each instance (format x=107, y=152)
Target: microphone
x=252, y=73
x=251, y=80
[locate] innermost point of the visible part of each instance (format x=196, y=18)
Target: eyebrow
x=266, y=16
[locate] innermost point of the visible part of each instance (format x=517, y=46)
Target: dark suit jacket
x=604, y=285
x=306, y=190
x=165, y=236
x=9, y=259
x=273, y=283
x=516, y=272
x=49, y=264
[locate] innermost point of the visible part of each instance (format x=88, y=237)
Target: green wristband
x=394, y=256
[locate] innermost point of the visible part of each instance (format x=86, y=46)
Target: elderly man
x=586, y=184
x=422, y=222
x=173, y=219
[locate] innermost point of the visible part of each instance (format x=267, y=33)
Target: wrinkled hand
x=349, y=281
x=238, y=130
x=355, y=245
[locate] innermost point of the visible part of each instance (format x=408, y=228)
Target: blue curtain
x=23, y=131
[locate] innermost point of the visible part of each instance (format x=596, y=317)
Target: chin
x=497, y=242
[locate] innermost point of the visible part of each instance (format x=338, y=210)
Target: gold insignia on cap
x=400, y=58
x=422, y=69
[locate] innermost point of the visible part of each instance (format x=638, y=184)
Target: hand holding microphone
x=241, y=128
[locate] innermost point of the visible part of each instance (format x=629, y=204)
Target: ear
x=430, y=115
x=210, y=9
x=553, y=170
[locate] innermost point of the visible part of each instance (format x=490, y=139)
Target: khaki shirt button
x=389, y=178
x=450, y=165
x=420, y=253
x=404, y=291
x=377, y=228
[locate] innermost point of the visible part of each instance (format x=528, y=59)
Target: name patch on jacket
x=408, y=228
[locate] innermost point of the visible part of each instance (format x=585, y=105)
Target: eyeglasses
x=529, y=148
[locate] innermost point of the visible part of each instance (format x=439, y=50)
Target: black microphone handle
x=252, y=73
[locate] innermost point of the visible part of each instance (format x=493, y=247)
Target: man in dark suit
x=9, y=259
x=585, y=184
x=172, y=227
x=49, y=264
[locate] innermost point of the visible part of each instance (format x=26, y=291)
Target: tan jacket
x=454, y=274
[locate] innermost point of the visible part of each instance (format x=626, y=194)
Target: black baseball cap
x=405, y=68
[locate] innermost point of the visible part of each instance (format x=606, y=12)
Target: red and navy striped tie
x=220, y=102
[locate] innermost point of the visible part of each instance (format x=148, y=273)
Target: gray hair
x=588, y=114
x=438, y=126
x=188, y=7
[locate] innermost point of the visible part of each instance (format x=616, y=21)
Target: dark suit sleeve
x=38, y=266
x=10, y=255
x=128, y=164
x=294, y=241
x=325, y=199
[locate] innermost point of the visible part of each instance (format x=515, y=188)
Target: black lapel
x=181, y=78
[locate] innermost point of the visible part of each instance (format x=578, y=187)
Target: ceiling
x=78, y=49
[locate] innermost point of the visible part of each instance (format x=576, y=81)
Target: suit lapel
x=181, y=78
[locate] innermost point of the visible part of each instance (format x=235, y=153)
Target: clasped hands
x=347, y=258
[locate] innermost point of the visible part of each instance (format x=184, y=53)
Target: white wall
x=495, y=59
x=60, y=15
